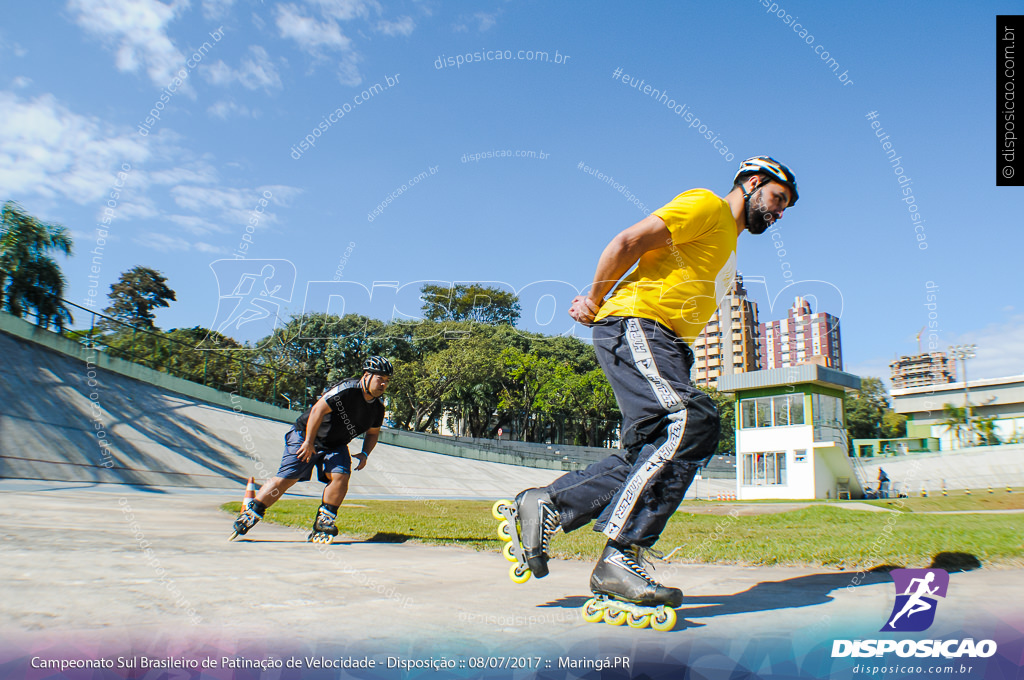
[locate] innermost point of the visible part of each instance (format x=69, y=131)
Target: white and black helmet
x=772, y=169
x=378, y=365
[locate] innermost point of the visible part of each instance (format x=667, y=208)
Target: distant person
x=319, y=439
x=883, y=484
x=685, y=262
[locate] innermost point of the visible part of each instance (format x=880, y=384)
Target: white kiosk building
x=790, y=433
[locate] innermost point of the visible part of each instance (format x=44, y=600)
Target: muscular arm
x=619, y=255
x=316, y=417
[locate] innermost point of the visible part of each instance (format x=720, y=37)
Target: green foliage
x=869, y=414
x=726, y=404
x=955, y=421
x=31, y=280
x=894, y=425
x=986, y=430
x=470, y=302
x=136, y=294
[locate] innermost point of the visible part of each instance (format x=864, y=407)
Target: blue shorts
x=337, y=462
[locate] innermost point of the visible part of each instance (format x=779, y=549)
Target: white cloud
x=163, y=242
x=258, y=71
x=318, y=32
x=1000, y=349
x=485, y=20
x=217, y=73
x=217, y=9
x=137, y=31
x=310, y=34
x=403, y=26
x=47, y=150
x=196, y=225
x=225, y=109
x=21, y=82
x=192, y=173
x=170, y=244
x=346, y=10
x=207, y=248
x=255, y=72
x=229, y=205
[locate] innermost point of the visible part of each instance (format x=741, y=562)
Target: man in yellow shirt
x=685, y=257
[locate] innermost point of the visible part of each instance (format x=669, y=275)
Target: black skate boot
x=246, y=520
x=538, y=521
x=324, y=529
x=620, y=573
x=626, y=593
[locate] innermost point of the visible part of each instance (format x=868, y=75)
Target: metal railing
x=220, y=370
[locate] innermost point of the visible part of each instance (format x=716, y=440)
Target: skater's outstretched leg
x=324, y=528
x=248, y=518
x=621, y=574
x=538, y=520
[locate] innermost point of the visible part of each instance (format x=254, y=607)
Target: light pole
x=963, y=353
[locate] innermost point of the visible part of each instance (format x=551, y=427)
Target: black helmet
x=378, y=365
x=766, y=165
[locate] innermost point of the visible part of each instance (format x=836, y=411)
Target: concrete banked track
x=64, y=420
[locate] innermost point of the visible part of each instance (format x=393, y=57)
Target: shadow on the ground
x=955, y=561
x=801, y=591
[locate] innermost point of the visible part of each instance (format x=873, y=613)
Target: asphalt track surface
x=109, y=568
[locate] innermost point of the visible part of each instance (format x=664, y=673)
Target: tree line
x=464, y=368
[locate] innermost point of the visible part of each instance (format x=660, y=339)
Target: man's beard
x=758, y=217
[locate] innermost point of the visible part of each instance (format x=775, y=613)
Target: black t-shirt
x=350, y=416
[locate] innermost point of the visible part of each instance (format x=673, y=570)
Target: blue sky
x=78, y=80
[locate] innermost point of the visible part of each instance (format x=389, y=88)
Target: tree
x=727, y=413
x=326, y=348
x=582, y=403
x=894, y=425
x=986, y=428
x=956, y=420
x=866, y=409
x=136, y=294
x=526, y=375
x=470, y=302
x=31, y=280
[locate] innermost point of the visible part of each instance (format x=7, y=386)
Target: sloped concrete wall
x=65, y=417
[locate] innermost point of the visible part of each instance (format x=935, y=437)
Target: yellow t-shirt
x=682, y=284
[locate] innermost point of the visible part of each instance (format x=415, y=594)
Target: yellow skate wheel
x=614, y=619
x=498, y=505
x=507, y=552
x=592, y=611
x=504, y=531
x=519, y=573
x=664, y=620
x=634, y=621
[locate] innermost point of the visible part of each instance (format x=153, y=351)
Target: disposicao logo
x=915, y=606
x=913, y=612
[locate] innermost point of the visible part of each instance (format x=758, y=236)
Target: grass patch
x=956, y=501
x=819, y=535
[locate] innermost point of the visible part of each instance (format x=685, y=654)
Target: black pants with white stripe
x=669, y=429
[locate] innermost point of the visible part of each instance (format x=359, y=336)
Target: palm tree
x=956, y=418
x=987, y=430
x=31, y=280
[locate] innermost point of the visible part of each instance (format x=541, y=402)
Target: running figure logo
x=251, y=291
x=914, y=610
